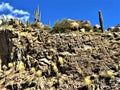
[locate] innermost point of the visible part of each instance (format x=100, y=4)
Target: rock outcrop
x=36, y=59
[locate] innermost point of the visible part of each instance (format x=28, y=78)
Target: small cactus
x=32, y=70
x=39, y=73
x=87, y=80
x=61, y=60
x=110, y=74
x=55, y=68
x=10, y=65
x=4, y=67
x=52, y=88
x=21, y=66
x=49, y=42
x=116, y=67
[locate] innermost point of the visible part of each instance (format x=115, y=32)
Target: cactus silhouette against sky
x=101, y=20
x=37, y=15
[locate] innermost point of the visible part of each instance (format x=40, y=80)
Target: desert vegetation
x=71, y=55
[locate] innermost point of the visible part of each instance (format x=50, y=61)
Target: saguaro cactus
x=101, y=20
x=37, y=15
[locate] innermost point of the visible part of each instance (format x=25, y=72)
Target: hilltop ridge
x=34, y=58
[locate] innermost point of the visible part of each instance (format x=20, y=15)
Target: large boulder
x=114, y=29
x=87, y=25
x=75, y=25
x=97, y=28
x=38, y=25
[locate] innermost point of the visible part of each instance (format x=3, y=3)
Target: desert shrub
x=15, y=25
x=87, y=28
x=46, y=27
x=33, y=25
x=61, y=26
x=11, y=22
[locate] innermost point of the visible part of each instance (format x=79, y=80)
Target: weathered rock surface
x=64, y=59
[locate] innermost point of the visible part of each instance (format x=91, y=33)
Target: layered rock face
x=65, y=60
x=6, y=45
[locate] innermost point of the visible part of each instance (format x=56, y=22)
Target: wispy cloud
x=24, y=18
x=5, y=6
x=14, y=13
x=21, y=12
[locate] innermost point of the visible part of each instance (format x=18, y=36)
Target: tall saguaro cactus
x=37, y=15
x=101, y=20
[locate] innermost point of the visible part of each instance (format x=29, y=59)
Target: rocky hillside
x=38, y=60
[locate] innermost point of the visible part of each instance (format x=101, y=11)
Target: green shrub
x=46, y=27
x=61, y=26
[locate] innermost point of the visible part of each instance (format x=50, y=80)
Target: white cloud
x=14, y=13
x=21, y=12
x=5, y=6
x=24, y=18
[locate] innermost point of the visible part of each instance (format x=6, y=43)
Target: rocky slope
x=38, y=60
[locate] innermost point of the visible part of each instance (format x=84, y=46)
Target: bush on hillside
x=61, y=27
x=46, y=27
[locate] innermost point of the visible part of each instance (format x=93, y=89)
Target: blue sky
x=54, y=10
